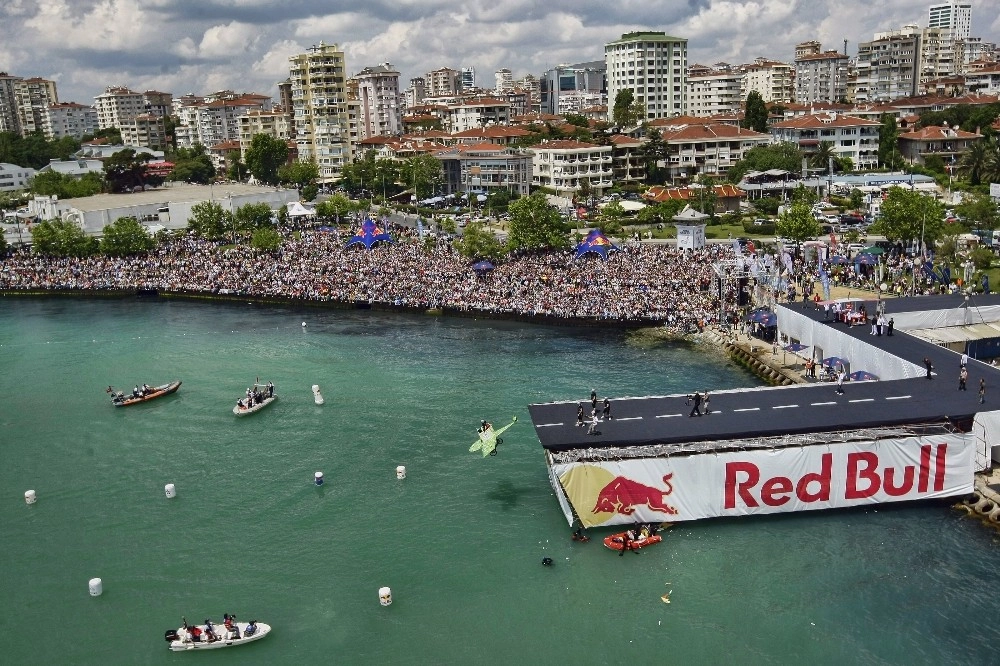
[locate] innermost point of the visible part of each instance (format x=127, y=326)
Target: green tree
x=660, y=213
x=611, y=218
x=908, y=215
x=48, y=183
x=125, y=237
x=888, y=137
x=265, y=156
x=237, y=171
x=797, y=222
x=755, y=114
x=803, y=193
x=210, y=220
x=266, y=238
x=192, y=165
x=298, y=174
x=497, y=201
x=126, y=171
x=821, y=158
x=360, y=174
x=3, y=245
x=653, y=152
x=61, y=238
x=625, y=112
x=857, y=199
x=252, y=216
x=577, y=119
x=423, y=173
x=337, y=206
x=112, y=135
x=478, y=242
x=786, y=156
x=974, y=161
x=536, y=225
x=979, y=210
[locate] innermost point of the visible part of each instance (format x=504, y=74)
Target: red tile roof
x=661, y=193
x=937, y=132
x=563, y=144
x=823, y=120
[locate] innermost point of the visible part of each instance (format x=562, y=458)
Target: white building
x=319, y=100
x=468, y=78
x=821, y=77
x=953, y=16
x=378, y=96
x=703, y=147
x=212, y=121
x=69, y=119
x=118, y=105
x=35, y=95
x=563, y=165
x=775, y=81
x=485, y=167
x=10, y=117
x=984, y=80
x=504, y=81
x=146, y=129
x=14, y=177
x=851, y=137
x=714, y=90
x=473, y=113
x=888, y=67
x=654, y=67
x=443, y=82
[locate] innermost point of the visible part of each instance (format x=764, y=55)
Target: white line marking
x=783, y=406
x=548, y=425
x=819, y=404
x=898, y=397
x=748, y=409
x=863, y=400
x=667, y=416
x=628, y=418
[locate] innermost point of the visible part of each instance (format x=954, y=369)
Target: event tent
x=597, y=243
x=369, y=234
x=296, y=209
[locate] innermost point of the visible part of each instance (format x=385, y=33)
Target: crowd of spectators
x=646, y=283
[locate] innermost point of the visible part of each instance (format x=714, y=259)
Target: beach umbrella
x=795, y=347
x=837, y=259
x=865, y=259
x=862, y=376
x=834, y=361
x=483, y=266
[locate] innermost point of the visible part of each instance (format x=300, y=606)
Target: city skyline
x=200, y=46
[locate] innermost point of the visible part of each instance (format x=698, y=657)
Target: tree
x=192, y=165
x=299, y=174
x=237, y=171
x=360, y=174
x=577, y=119
x=478, y=242
x=386, y=174
x=267, y=239
x=653, y=152
x=423, y=173
x=857, y=199
x=251, y=217
x=210, y=220
x=755, y=115
x=623, y=114
x=498, y=200
x=3, y=244
x=125, y=237
x=979, y=210
x=611, y=218
x=126, y=171
x=660, y=213
x=61, y=238
x=824, y=153
x=797, y=222
x=48, y=183
x=785, y=156
x=536, y=225
x=337, y=206
x=888, y=137
x=707, y=200
x=265, y=156
x=973, y=163
x=803, y=193
x=908, y=215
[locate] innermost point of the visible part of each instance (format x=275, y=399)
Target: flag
x=420, y=227
x=824, y=279
x=986, y=283
x=736, y=247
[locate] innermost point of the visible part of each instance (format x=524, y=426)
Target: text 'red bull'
x=864, y=479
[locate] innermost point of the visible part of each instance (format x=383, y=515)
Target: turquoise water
x=459, y=541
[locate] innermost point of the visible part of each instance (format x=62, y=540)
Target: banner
x=819, y=476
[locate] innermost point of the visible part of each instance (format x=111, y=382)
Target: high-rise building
x=468, y=78
x=35, y=95
x=775, y=81
x=379, y=100
x=653, y=66
x=570, y=88
x=443, y=82
x=10, y=119
x=414, y=95
x=319, y=98
x=888, y=67
x=504, y=80
x=118, y=106
x=714, y=90
x=953, y=16
x=69, y=119
x=820, y=76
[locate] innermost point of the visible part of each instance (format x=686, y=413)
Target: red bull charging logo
x=623, y=495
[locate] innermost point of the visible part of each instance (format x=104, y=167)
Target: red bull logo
x=622, y=495
x=599, y=240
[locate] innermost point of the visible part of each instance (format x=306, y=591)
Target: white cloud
x=228, y=41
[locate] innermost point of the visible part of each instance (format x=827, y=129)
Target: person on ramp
x=696, y=399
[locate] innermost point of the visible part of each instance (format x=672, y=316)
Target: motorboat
x=260, y=396
x=209, y=636
x=122, y=399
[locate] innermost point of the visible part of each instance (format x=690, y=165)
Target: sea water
x=459, y=541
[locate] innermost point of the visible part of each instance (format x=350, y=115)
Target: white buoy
x=319, y=478
x=400, y=472
x=29, y=496
x=384, y=596
x=317, y=396
x=96, y=587
x=303, y=324
x=171, y=490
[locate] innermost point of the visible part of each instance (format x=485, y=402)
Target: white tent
x=628, y=206
x=296, y=209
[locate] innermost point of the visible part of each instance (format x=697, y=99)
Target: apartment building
x=14, y=177
x=319, y=99
x=379, y=112
x=504, y=80
x=956, y=17
x=10, y=117
x=215, y=120
x=468, y=77
x=855, y=138
x=146, y=129
x=564, y=165
x=117, y=106
x=775, y=81
x=469, y=114
x=696, y=147
x=570, y=88
x=443, y=82
x=948, y=143
x=414, y=95
x=714, y=89
x=274, y=124
x=69, y=119
x=888, y=67
x=820, y=76
x=984, y=80
x=485, y=167
x=34, y=96
x=653, y=66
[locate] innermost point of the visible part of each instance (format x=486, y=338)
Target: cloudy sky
x=200, y=46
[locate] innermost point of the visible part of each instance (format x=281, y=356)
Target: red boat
x=121, y=399
x=616, y=541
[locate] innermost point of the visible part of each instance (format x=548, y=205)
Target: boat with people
x=208, y=636
x=143, y=393
x=634, y=538
x=257, y=398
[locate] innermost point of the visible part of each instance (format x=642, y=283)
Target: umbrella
x=482, y=266
x=834, y=361
x=837, y=259
x=759, y=315
x=795, y=347
x=874, y=249
x=862, y=376
x=865, y=259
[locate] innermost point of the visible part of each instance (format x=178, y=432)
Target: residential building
x=570, y=88
x=496, y=134
x=98, y=150
x=504, y=81
x=468, y=78
x=158, y=103
x=809, y=48
x=14, y=177
x=653, y=66
x=146, y=129
x=379, y=100
x=984, y=80
x=485, y=167
x=319, y=98
x=529, y=84
x=77, y=168
x=727, y=197
x=971, y=50
x=953, y=16
x=443, y=82
x=713, y=90
x=10, y=117
x=518, y=102
x=35, y=95
x=945, y=142
x=888, y=67
x=117, y=106
x=851, y=137
x=69, y=119
x=937, y=53
x=285, y=99
x=694, y=146
x=820, y=76
x=274, y=124
x=475, y=113
x=215, y=119
x=414, y=95
x=564, y=165
x=628, y=164
x=775, y=81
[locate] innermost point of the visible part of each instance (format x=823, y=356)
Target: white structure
x=35, y=95
x=319, y=100
x=74, y=168
x=953, y=16
x=274, y=124
x=476, y=113
x=414, y=95
x=690, y=229
x=10, y=117
x=654, y=67
x=504, y=81
x=888, y=67
x=856, y=138
x=564, y=165
x=571, y=88
x=468, y=78
x=985, y=80
x=714, y=90
x=775, y=81
x=213, y=121
x=146, y=129
x=821, y=77
x=704, y=148
x=13, y=177
x=69, y=119
x=117, y=106
x=379, y=100
x=442, y=82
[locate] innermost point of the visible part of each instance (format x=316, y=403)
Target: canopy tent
x=834, y=361
x=795, y=347
x=597, y=243
x=483, y=266
x=862, y=376
x=296, y=209
x=628, y=206
x=368, y=235
x=873, y=250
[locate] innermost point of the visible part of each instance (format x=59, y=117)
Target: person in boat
x=578, y=535
x=251, y=628
x=230, y=622
x=135, y=391
x=146, y=389
x=210, y=631
x=484, y=426
x=270, y=390
x=195, y=634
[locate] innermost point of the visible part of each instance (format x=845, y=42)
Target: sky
x=202, y=46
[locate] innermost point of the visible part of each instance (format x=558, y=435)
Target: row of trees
x=387, y=177
x=62, y=238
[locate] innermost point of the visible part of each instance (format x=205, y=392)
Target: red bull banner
x=743, y=483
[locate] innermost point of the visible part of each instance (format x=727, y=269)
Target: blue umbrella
x=862, y=376
x=760, y=315
x=482, y=266
x=837, y=259
x=795, y=347
x=865, y=259
x=834, y=361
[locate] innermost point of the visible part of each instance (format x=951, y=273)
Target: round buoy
x=400, y=472
x=317, y=396
x=29, y=496
x=303, y=324
x=96, y=587
x=547, y=561
x=319, y=478
x=384, y=596
x=170, y=490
